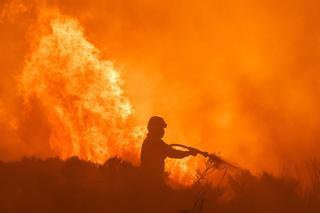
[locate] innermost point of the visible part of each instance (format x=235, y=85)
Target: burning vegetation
x=80, y=79
x=80, y=94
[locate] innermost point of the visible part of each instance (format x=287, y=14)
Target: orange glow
x=237, y=78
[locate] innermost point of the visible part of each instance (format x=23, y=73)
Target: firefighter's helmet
x=156, y=122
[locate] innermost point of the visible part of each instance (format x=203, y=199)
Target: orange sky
x=239, y=78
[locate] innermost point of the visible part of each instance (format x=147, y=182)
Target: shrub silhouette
x=54, y=185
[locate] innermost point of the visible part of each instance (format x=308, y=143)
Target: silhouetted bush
x=53, y=185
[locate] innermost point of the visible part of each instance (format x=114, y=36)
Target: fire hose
x=218, y=161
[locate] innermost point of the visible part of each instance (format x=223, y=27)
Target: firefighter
x=154, y=150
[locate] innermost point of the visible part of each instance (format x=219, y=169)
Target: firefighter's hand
x=193, y=151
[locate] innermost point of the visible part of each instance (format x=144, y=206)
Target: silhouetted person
x=154, y=150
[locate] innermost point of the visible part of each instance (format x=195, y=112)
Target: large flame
x=81, y=94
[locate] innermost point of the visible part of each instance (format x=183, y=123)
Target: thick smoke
x=239, y=78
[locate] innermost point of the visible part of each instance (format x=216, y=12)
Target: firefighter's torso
x=153, y=154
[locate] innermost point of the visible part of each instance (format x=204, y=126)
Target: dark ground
x=53, y=185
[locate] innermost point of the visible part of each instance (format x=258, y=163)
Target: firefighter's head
x=156, y=126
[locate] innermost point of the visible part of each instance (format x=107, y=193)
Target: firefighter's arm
x=174, y=153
